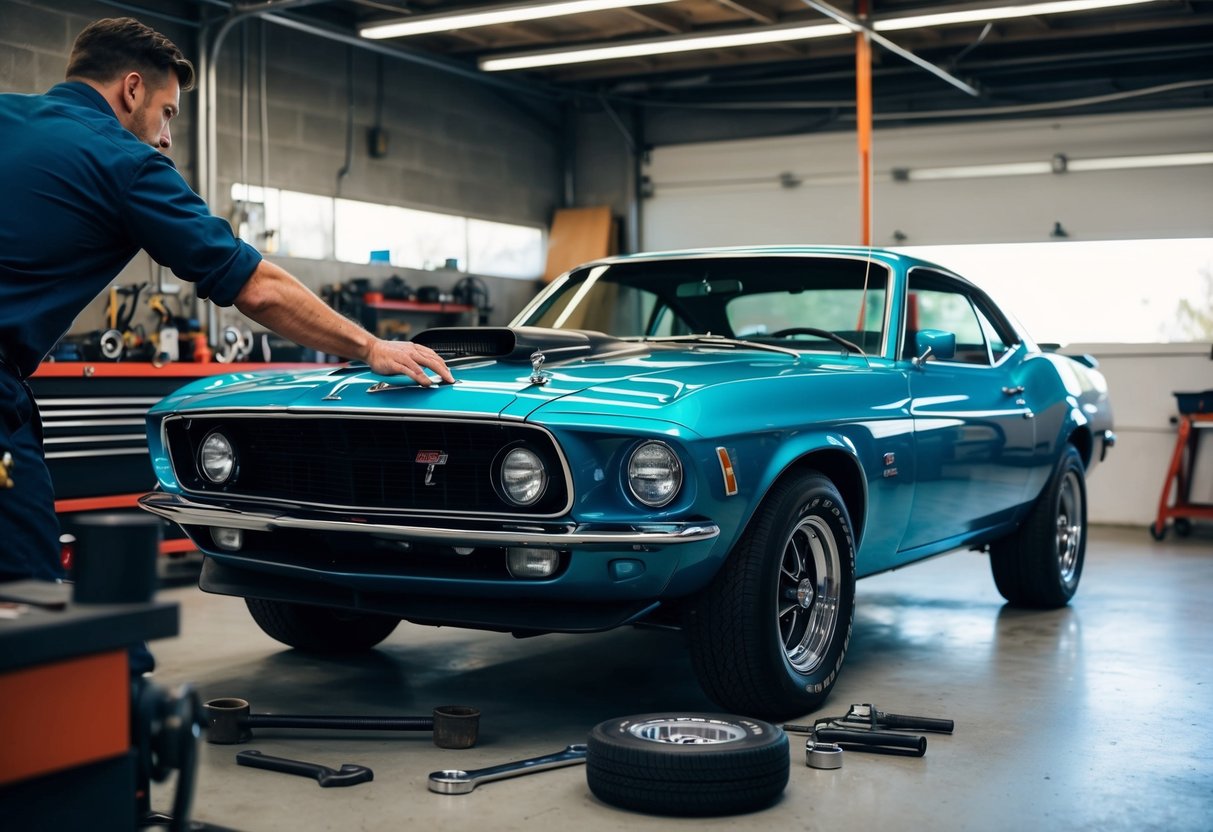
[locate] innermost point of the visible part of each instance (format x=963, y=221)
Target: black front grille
x=367, y=463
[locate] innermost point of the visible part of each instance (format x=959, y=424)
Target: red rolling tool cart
x=1195, y=414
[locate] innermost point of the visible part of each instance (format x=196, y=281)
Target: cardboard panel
x=578, y=235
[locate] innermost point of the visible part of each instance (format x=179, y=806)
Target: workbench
x=1178, y=483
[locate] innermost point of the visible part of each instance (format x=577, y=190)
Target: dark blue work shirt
x=80, y=195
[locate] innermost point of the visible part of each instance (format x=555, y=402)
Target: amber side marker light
x=726, y=468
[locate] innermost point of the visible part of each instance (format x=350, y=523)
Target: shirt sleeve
x=172, y=224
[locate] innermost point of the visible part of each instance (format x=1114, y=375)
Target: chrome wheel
x=687, y=731
x=770, y=633
x=808, y=604
x=1069, y=527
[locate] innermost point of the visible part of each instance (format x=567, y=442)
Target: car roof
x=859, y=252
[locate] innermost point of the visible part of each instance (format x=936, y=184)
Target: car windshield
x=779, y=300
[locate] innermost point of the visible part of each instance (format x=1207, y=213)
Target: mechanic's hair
x=109, y=48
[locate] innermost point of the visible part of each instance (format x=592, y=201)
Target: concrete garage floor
x=1098, y=716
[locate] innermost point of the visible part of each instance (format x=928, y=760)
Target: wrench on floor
x=349, y=774
x=455, y=781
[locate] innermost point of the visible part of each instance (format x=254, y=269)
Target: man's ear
x=132, y=91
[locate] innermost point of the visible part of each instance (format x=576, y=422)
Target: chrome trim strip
x=187, y=512
x=113, y=437
x=124, y=400
x=259, y=413
x=102, y=452
x=49, y=422
x=50, y=413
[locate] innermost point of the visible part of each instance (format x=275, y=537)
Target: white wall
x=728, y=193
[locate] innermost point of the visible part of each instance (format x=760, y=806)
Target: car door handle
x=1013, y=391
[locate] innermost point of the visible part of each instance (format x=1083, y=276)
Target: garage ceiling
x=1151, y=55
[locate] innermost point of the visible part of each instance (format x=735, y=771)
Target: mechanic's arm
x=276, y=299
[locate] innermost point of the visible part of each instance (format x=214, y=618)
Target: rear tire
x=320, y=629
x=770, y=633
x=1039, y=565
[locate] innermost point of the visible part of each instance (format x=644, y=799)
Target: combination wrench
x=456, y=781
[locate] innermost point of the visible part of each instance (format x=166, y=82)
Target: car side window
x=951, y=310
x=1001, y=340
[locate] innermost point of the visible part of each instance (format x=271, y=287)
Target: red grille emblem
x=430, y=459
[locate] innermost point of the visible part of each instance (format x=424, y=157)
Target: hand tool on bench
x=348, y=775
x=229, y=721
x=455, y=781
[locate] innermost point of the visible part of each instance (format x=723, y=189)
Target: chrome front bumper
x=186, y=512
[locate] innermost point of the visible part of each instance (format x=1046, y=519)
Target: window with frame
x=948, y=307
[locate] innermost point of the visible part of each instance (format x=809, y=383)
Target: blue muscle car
x=723, y=440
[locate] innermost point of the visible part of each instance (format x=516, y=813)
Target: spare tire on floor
x=687, y=764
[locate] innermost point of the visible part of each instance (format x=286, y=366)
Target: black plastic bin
x=1195, y=402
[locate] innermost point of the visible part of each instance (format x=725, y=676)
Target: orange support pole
x=863, y=118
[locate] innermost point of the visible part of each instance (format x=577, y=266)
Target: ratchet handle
x=917, y=723
x=877, y=742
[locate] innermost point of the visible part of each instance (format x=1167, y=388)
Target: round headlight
x=654, y=474
x=216, y=459
x=523, y=477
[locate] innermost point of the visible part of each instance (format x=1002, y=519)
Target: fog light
x=621, y=570
x=532, y=563
x=230, y=539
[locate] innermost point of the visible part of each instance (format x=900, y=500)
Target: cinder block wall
x=456, y=145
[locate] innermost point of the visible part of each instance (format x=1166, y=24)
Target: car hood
x=606, y=375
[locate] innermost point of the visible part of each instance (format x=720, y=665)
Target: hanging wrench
x=454, y=781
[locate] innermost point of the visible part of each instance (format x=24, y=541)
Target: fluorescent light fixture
x=1068, y=166
x=922, y=21
x=1169, y=160
x=427, y=24
x=751, y=37
x=978, y=171
x=663, y=46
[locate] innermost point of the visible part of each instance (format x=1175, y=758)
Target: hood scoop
x=517, y=344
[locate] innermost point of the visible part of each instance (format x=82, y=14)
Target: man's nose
x=166, y=139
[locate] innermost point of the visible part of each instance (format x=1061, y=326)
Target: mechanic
x=87, y=185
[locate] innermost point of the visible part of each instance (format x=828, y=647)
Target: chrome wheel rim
x=1069, y=526
x=810, y=574
x=687, y=731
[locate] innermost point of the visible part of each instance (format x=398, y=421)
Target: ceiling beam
x=752, y=10
x=658, y=19
x=863, y=26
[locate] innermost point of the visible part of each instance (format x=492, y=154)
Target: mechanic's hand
x=392, y=358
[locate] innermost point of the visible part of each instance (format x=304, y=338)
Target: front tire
x=770, y=633
x=1039, y=565
x=320, y=629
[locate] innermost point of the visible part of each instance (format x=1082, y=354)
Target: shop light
x=663, y=46
x=430, y=23
x=947, y=18
x=751, y=37
x=1058, y=164
x=1168, y=160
